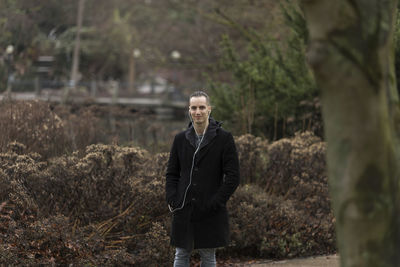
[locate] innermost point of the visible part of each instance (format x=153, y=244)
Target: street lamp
x=132, y=70
x=10, y=78
x=175, y=55
x=9, y=49
x=136, y=53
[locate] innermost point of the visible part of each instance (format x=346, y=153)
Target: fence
x=100, y=88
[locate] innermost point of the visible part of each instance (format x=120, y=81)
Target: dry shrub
x=47, y=130
x=154, y=250
x=85, y=187
x=54, y=129
x=291, y=215
x=253, y=157
x=32, y=241
x=17, y=173
x=248, y=209
x=33, y=124
x=82, y=125
x=157, y=165
x=106, y=194
x=274, y=227
x=109, y=201
x=297, y=171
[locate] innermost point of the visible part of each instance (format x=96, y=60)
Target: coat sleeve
x=173, y=174
x=230, y=167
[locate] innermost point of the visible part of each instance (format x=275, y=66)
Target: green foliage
x=49, y=27
x=112, y=29
x=268, y=81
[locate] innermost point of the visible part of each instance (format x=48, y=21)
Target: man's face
x=199, y=109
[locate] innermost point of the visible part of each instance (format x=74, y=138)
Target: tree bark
x=351, y=53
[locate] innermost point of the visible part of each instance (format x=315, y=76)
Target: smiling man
x=202, y=174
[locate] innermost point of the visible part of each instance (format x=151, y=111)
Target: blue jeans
x=207, y=256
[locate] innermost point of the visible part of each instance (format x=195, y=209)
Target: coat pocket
x=202, y=211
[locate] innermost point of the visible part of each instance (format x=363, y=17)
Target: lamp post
x=131, y=76
x=175, y=55
x=10, y=77
x=136, y=53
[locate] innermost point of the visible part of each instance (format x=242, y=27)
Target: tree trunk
x=75, y=58
x=351, y=53
x=131, y=74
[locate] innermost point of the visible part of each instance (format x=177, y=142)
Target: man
x=202, y=173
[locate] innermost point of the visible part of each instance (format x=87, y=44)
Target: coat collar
x=211, y=132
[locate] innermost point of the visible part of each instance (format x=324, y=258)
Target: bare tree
x=75, y=59
x=351, y=53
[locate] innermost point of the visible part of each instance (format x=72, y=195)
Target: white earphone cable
x=191, y=170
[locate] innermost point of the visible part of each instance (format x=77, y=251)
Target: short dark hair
x=199, y=94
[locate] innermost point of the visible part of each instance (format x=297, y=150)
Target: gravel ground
x=320, y=261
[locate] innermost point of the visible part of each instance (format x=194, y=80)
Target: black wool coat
x=198, y=187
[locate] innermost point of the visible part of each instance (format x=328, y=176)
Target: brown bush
x=86, y=187
x=33, y=124
x=109, y=202
x=47, y=130
x=290, y=215
x=82, y=126
x=253, y=158
x=17, y=172
x=107, y=189
x=53, y=241
x=297, y=170
x=154, y=250
x=273, y=227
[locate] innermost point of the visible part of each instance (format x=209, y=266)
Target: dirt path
x=318, y=261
